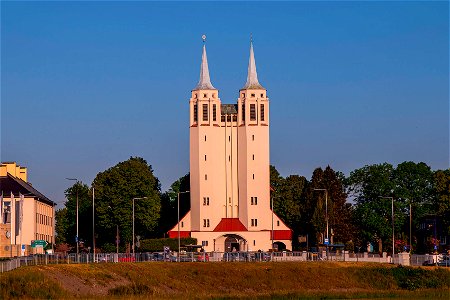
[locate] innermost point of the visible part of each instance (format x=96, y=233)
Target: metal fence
x=86, y=258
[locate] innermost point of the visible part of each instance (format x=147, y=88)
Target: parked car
x=202, y=256
x=444, y=262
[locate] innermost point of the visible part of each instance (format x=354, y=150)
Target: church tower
x=253, y=139
x=205, y=154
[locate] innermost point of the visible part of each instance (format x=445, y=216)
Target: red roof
x=230, y=224
x=282, y=234
x=183, y=234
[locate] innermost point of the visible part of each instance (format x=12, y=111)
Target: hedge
x=155, y=245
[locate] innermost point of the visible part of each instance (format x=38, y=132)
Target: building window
x=204, y=95
x=214, y=112
x=253, y=156
x=251, y=201
x=205, y=157
x=206, y=177
x=253, y=95
x=234, y=118
x=278, y=223
x=207, y=222
x=229, y=138
x=229, y=199
x=253, y=137
x=252, y=112
x=254, y=222
x=222, y=118
x=206, y=201
x=229, y=157
x=204, y=222
x=254, y=243
x=182, y=224
x=205, y=138
x=204, y=243
x=253, y=176
x=243, y=112
x=256, y=200
x=262, y=95
x=205, y=112
x=195, y=112
x=228, y=118
x=262, y=112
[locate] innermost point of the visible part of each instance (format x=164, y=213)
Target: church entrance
x=233, y=243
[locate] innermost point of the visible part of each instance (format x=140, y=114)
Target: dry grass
x=279, y=280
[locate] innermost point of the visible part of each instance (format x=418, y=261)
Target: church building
x=230, y=169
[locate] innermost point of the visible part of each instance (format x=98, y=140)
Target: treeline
x=358, y=206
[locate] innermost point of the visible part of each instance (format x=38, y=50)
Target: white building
x=230, y=170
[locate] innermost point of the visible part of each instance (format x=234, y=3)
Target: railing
x=87, y=258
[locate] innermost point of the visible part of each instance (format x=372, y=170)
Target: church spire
x=252, y=76
x=205, y=82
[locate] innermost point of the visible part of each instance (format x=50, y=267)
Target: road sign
x=326, y=242
x=38, y=243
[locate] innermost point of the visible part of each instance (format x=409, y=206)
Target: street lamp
x=393, y=243
x=93, y=222
x=178, y=198
x=326, y=216
x=133, y=218
x=76, y=238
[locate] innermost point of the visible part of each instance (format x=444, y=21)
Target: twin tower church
x=230, y=171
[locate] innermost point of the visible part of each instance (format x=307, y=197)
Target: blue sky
x=85, y=85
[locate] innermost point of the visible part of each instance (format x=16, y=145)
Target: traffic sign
x=38, y=243
x=326, y=242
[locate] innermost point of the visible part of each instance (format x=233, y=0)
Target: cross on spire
x=204, y=82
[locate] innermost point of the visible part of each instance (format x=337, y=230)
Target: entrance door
x=231, y=244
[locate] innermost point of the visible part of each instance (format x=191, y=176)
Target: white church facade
x=230, y=170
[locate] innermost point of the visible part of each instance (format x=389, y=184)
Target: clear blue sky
x=85, y=85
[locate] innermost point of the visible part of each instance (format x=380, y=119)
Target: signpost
x=326, y=241
x=38, y=243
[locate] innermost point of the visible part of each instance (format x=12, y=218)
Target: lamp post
x=326, y=215
x=93, y=222
x=133, y=218
x=76, y=238
x=178, y=200
x=392, y=212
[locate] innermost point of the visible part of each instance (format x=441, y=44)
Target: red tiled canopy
x=230, y=224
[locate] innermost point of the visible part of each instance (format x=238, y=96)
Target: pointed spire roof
x=252, y=76
x=205, y=82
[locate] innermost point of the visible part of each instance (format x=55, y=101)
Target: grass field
x=305, y=280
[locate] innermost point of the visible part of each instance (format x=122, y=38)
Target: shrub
x=154, y=245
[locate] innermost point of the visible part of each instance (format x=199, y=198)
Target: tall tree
x=115, y=189
x=367, y=186
x=66, y=220
x=169, y=203
x=442, y=188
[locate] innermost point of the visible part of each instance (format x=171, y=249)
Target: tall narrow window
x=214, y=112
x=206, y=177
x=195, y=112
x=278, y=223
x=252, y=112
x=253, y=222
x=253, y=176
x=253, y=137
x=205, y=112
x=256, y=200
x=205, y=157
x=204, y=222
x=256, y=222
x=207, y=222
x=243, y=112
x=182, y=224
x=251, y=201
x=205, y=138
x=262, y=112
x=253, y=157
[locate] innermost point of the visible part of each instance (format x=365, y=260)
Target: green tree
x=61, y=225
x=169, y=203
x=115, y=189
x=442, y=189
x=366, y=186
x=66, y=218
